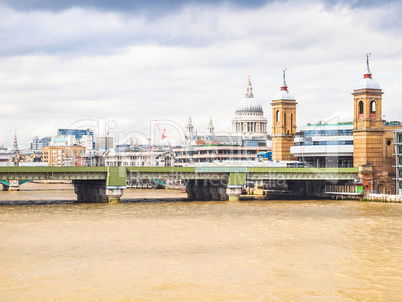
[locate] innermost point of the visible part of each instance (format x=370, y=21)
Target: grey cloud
x=153, y=6
x=79, y=31
x=203, y=71
x=148, y=6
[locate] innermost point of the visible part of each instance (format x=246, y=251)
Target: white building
x=155, y=158
x=87, y=141
x=325, y=145
x=63, y=140
x=247, y=138
x=104, y=142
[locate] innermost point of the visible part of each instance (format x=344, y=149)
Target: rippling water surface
x=199, y=251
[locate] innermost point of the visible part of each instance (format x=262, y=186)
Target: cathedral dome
x=249, y=121
x=249, y=104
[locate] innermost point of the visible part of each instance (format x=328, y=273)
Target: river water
x=170, y=250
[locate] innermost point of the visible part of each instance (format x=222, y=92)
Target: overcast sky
x=72, y=63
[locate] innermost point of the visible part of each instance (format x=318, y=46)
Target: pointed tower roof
x=249, y=93
x=210, y=124
x=368, y=82
x=189, y=121
x=189, y=126
x=15, y=145
x=249, y=103
x=210, y=127
x=284, y=93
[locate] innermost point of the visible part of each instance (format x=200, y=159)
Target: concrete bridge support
x=234, y=192
x=222, y=193
x=190, y=190
x=199, y=190
x=196, y=190
x=217, y=190
x=113, y=194
x=306, y=189
x=97, y=191
x=14, y=185
x=11, y=185
x=213, y=191
x=206, y=190
x=90, y=191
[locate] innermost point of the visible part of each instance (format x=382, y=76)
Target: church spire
x=189, y=127
x=368, y=74
x=210, y=128
x=249, y=93
x=15, y=145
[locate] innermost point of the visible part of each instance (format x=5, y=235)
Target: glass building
x=78, y=133
x=398, y=155
x=325, y=145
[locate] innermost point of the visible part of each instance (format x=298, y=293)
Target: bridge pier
x=234, y=192
x=199, y=191
x=97, y=191
x=190, y=190
x=90, y=191
x=223, y=196
x=14, y=185
x=205, y=190
x=214, y=192
x=113, y=194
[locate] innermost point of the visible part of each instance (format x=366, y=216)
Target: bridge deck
x=117, y=176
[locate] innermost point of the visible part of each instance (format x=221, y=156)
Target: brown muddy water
x=164, y=249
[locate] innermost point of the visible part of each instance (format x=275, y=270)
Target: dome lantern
x=249, y=104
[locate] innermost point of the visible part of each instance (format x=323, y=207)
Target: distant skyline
x=65, y=63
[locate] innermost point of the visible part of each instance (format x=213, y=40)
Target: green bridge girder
x=117, y=176
x=53, y=173
x=4, y=182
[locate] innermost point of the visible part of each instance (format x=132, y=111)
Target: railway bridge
x=107, y=184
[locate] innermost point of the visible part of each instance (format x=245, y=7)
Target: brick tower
x=283, y=123
x=368, y=128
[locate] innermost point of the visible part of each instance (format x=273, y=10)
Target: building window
x=277, y=117
x=372, y=106
x=291, y=122
x=284, y=120
x=372, y=109
x=361, y=111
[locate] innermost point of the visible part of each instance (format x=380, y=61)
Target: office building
x=325, y=145
x=63, y=155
